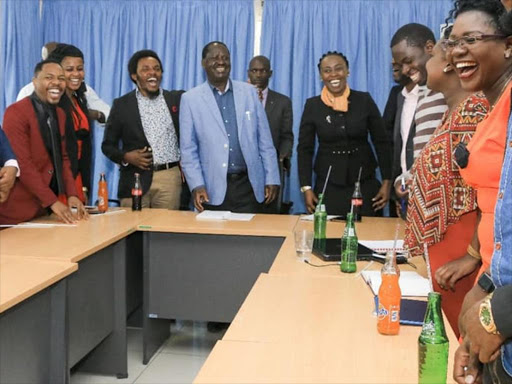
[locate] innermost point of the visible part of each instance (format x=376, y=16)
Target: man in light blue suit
x=227, y=153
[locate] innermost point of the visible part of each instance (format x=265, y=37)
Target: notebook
x=412, y=312
x=332, y=252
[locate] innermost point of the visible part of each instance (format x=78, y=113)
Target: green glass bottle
x=349, y=246
x=433, y=344
x=320, y=219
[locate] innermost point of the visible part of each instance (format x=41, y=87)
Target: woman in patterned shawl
x=442, y=210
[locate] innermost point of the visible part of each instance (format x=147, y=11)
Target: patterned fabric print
x=158, y=128
x=439, y=196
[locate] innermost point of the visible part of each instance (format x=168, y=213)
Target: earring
x=447, y=68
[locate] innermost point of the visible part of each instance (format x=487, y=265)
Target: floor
x=178, y=360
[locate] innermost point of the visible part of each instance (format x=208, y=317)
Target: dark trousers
x=494, y=373
x=239, y=196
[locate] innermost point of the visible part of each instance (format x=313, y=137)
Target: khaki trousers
x=165, y=191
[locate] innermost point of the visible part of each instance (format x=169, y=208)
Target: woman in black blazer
x=341, y=118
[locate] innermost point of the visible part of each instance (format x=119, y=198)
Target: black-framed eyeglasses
x=449, y=44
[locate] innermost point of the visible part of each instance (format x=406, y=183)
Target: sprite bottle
x=433, y=344
x=320, y=224
x=349, y=246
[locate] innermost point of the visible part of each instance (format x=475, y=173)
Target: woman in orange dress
x=442, y=208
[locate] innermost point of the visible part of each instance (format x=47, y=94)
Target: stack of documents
x=224, y=215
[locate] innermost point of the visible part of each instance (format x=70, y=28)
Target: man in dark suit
x=278, y=109
x=393, y=118
x=145, y=121
x=9, y=168
x=35, y=127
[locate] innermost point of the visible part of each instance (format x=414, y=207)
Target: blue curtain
x=20, y=47
x=110, y=31
x=295, y=34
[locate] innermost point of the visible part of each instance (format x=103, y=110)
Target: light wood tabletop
x=312, y=329
x=21, y=278
x=186, y=222
x=70, y=243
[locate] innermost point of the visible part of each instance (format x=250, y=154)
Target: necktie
x=260, y=95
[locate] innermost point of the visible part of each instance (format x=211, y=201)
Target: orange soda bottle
x=388, y=315
x=102, y=194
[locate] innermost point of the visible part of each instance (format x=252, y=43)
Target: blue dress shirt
x=226, y=102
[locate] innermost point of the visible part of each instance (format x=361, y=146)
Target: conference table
x=97, y=298
x=202, y=269
x=305, y=324
x=32, y=326
x=290, y=321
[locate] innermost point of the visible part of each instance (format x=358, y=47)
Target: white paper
x=36, y=225
x=312, y=217
x=411, y=283
x=224, y=215
x=382, y=246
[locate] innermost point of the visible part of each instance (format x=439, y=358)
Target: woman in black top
x=341, y=118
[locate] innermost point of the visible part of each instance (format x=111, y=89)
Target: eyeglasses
x=449, y=45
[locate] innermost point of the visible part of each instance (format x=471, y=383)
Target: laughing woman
x=79, y=117
x=341, y=118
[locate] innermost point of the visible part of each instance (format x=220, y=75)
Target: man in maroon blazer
x=35, y=127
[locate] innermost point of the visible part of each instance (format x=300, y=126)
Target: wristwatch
x=305, y=188
x=485, y=282
x=486, y=318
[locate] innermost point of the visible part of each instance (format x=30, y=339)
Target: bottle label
x=383, y=312
x=136, y=192
x=351, y=232
x=101, y=201
x=393, y=312
x=357, y=202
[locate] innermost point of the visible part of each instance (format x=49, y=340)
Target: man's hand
x=310, y=200
x=96, y=115
x=466, y=367
x=200, y=196
x=286, y=163
x=63, y=212
x=381, y=198
x=271, y=193
x=76, y=205
x=476, y=294
x=448, y=274
x=482, y=344
x=140, y=158
x=7, y=179
x=398, y=188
